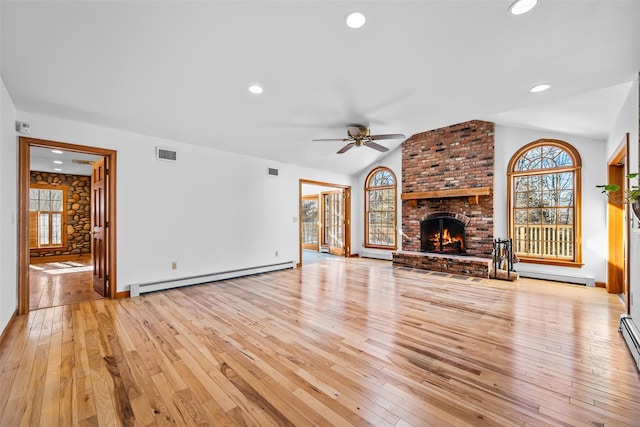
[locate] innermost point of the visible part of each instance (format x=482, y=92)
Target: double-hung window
x=47, y=216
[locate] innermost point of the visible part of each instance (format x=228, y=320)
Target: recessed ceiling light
x=57, y=169
x=255, y=89
x=57, y=162
x=520, y=7
x=540, y=88
x=56, y=151
x=355, y=19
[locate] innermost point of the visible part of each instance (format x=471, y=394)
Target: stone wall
x=455, y=157
x=78, y=213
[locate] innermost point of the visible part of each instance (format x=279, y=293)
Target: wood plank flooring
x=355, y=342
x=59, y=283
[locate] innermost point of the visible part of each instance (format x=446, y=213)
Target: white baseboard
x=139, y=288
x=581, y=279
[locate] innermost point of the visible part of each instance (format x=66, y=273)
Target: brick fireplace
x=448, y=173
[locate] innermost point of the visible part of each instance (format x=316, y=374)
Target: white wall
x=393, y=161
x=594, y=239
x=210, y=211
x=628, y=121
x=8, y=208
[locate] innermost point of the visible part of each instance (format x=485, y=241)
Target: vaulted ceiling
x=180, y=70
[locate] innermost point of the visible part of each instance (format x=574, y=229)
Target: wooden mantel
x=472, y=193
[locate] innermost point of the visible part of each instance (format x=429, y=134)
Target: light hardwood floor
x=60, y=282
x=355, y=342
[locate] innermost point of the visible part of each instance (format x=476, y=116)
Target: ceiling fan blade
x=355, y=131
x=346, y=147
x=388, y=136
x=331, y=139
x=375, y=146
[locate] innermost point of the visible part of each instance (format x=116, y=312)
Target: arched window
x=544, y=203
x=380, y=209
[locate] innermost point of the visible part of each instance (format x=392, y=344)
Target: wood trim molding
x=617, y=267
x=24, y=180
x=556, y=262
x=123, y=294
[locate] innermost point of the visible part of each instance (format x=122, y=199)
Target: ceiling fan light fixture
x=540, y=88
x=355, y=19
x=520, y=7
x=255, y=89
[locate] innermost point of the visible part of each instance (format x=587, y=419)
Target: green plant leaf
x=608, y=188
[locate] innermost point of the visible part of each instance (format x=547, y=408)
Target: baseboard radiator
x=140, y=288
x=377, y=255
x=581, y=279
x=631, y=335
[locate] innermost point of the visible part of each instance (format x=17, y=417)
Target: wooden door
x=99, y=228
x=333, y=222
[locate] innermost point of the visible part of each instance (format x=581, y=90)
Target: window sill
x=47, y=249
x=385, y=248
x=556, y=262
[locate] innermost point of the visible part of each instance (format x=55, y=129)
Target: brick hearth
x=447, y=263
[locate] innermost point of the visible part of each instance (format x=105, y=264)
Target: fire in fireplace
x=442, y=234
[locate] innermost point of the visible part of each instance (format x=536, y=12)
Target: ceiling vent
x=166, y=154
x=272, y=171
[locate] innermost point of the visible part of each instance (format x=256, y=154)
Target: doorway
x=325, y=219
x=618, y=230
x=96, y=264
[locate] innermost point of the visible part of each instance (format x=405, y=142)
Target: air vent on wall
x=166, y=154
x=272, y=171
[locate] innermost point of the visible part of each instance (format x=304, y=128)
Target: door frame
x=347, y=214
x=24, y=170
x=617, y=229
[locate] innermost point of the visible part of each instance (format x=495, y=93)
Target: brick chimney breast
x=456, y=157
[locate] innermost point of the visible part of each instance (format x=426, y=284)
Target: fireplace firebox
x=443, y=233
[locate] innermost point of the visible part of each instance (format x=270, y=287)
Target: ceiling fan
x=358, y=135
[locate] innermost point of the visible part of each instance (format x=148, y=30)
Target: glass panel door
x=333, y=222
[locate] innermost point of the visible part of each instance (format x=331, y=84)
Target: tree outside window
x=380, y=209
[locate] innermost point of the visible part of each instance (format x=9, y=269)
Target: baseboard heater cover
x=377, y=255
x=579, y=279
x=140, y=288
x=631, y=335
